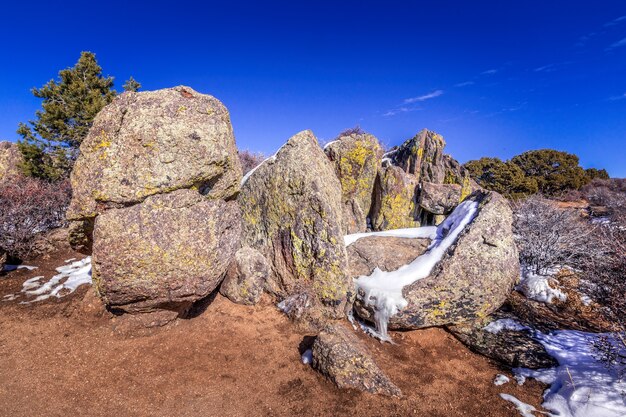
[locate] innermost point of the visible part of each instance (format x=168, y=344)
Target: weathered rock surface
x=509, y=347
x=166, y=253
x=439, y=198
x=292, y=214
x=356, y=159
x=386, y=253
x=472, y=280
x=246, y=276
x=155, y=142
x=343, y=358
x=395, y=200
x=421, y=156
x=10, y=158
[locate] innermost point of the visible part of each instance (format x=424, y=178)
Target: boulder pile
x=160, y=201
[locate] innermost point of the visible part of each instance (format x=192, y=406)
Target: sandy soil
x=67, y=357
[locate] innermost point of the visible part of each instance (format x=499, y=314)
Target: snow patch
x=383, y=290
x=526, y=410
x=497, y=326
x=69, y=278
x=9, y=268
x=329, y=143
x=581, y=386
x=537, y=287
x=307, y=357
x=426, y=232
x=500, y=380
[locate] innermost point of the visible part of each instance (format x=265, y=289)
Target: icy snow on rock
x=497, y=326
x=500, y=380
x=9, y=268
x=307, y=357
x=270, y=159
x=426, y=232
x=580, y=386
x=383, y=290
x=526, y=410
x=537, y=287
x=69, y=278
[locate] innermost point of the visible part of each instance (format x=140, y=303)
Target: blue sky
x=495, y=78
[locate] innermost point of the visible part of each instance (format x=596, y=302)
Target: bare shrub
x=250, y=160
x=548, y=237
x=356, y=130
x=29, y=206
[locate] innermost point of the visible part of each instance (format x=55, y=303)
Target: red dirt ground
x=68, y=357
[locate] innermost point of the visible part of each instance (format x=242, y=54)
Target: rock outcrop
x=386, y=253
x=246, y=277
x=10, y=158
x=165, y=253
x=340, y=356
x=472, y=280
x=292, y=214
x=409, y=171
x=154, y=194
x=513, y=348
x=356, y=158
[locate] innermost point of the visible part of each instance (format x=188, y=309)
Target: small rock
x=245, y=277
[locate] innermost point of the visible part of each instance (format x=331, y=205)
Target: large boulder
x=246, y=277
x=386, y=253
x=395, y=200
x=421, y=156
x=472, y=279
x=165, y=253
x=439, y=198
x=292, y=214
x=10, y=158
x=340, y=356
x=155, y=142
x=356, y=158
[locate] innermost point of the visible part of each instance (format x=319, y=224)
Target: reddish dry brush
x=28, y=207
x=250, y=160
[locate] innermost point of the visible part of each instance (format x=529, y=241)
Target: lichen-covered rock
x=356, y=158
x=340, y=356
x=245, y=277
x=292, y=214
x=165, y=253
x=473, y=278
x=10, y=158
x=80, y=235
x=155, y=142
x=395, y=200
x=439, y=198
x=386, y=253
x=421, y=156
x=513, y=348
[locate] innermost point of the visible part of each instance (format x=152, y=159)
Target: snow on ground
x=383, y=290
x=426, y=232
x=580, y=386
x=69, y=278
x=9, y=268
x=501, y=380
x=537, y=287
x=526, y=410
x=497, y=326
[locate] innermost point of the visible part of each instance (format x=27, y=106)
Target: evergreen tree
x=593, y=173
x=554, y=171
x=505, y=178
x=131, y=85
x=50, y=143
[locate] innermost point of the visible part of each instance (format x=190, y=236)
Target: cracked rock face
x=472, y=280
x=165, y=253
x=246, y=277
x=340, y=356
x=10, y=158
x=292, y=214
x=356, y=159
x=386, y=253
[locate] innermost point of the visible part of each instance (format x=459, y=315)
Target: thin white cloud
x=618, y=44
x=489, y=72
x=615, y=21
x=615, y=98
x=464, y=84
x=551, y=67
x=425, y=97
